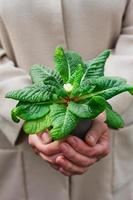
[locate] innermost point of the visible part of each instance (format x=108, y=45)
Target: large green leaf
x=39, y=73
x=113, y=119
x=37, y=126
x=30, y=111
x=89, y=110
x=63, y=121
x=108, y=87
x=35, y=93
x=95, y=68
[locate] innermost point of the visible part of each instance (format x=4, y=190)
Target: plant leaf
x=131, y=90
x=37, y=126
x=108, y=87
x=67, y=63
x=59, y=90
x=76, y=77
x=113, y=119
x=31, y=111
x=34, y=93
x=82, y=90
x=63, y=121
x=95, y=68
x=89, y=110
x=61, y=65
x=39, y=73
x=73, y=60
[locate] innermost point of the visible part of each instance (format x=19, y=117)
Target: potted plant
x=65, y=100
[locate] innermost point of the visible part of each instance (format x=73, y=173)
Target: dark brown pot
x=82, y=128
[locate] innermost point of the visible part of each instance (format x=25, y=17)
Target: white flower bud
x=68, y=87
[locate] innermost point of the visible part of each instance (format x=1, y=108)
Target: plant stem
x=86, y=96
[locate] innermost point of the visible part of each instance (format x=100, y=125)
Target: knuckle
x=69, y=167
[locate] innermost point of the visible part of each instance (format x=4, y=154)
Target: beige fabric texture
x=29, y=32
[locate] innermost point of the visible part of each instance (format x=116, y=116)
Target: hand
x=79, y=155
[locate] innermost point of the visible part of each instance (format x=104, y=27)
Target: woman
x=29, y=32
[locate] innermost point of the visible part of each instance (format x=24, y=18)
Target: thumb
x=97, y=130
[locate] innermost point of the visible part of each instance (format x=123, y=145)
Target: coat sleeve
x=120, y=63
x=11, y=78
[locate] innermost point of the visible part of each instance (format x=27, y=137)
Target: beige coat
x=29, y=32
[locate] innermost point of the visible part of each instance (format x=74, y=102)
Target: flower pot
x=82, y=128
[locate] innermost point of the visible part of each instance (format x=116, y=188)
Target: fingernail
x=59, y=158
x=90, y=140
x=45, y=138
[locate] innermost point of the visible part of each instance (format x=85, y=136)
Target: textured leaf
x=61, y=63
x=14, y=116
x=82, y=90
x=59, y=90
x=90, y=110
x=66, y=63
x=52, y=81
x=113, y=119
x=35, y=93
x=109, y=86
x=39, y=73
x=36, y=126
x=76, y=77
x=28, y=111
x=95, y=68
x=63, y=121
x=73, y=60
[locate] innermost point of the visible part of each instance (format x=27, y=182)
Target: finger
x=97, y=129
x=75, y=157
x=48, y=149
x=79, y=145
x=49, y=159
x=102, y=116
x=45, y=138
x=102, y=148
x=69, y=166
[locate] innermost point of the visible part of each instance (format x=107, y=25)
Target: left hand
x=78, y=155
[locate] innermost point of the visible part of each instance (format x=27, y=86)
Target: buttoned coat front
x=29, y=32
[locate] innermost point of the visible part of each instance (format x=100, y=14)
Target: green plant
x=59, y=98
